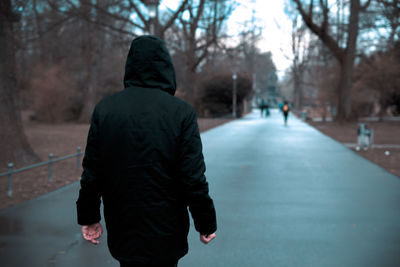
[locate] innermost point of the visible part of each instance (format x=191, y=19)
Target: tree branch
x=117, y=29
x=114, y=16
x=310, y=9
x=321, y=33
x=51, y=28
x=185, y=32
x=176, y=14
x=138, y=12
x=196, y=19
x=364, y=7
x=325, y=12
x=200, y=58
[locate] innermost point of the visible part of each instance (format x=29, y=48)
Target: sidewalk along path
x=285, y=196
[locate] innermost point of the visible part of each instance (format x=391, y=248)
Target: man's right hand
x=92, y=232
x=207, y=238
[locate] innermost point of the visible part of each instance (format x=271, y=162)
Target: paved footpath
x=285, y=196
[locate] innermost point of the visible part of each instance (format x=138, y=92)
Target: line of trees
x=59, y=57
x=338, y=50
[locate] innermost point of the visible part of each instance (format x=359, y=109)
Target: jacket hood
x=149, y=65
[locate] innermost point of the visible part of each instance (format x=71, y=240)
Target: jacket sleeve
x=88, y=203
x=194, y=182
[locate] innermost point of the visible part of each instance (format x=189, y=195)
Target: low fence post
x=78, y=161
x=51, y=167
x=10, y=172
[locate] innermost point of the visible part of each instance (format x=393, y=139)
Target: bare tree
x=104, y=15
x=140, y=22
x=345, y=54
x=391, y=13
x=14, y=144
x=379, y=73
x=249, y=39
x=265, y=78
x=201, y=32
x=299, y=61
x=92, y=49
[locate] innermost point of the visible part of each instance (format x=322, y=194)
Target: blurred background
x=337, y=62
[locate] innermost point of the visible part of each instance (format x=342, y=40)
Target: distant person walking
x=267, y=113
x=262, y=107
x=144, y=160
x=285, y=110
x=280, y=107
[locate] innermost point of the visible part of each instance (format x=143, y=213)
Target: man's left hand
x=207, y=238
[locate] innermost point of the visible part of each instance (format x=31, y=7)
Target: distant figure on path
x=267, y=109
x=144, y=160
x=280, y=106
x=285, y=110
x=262, y=107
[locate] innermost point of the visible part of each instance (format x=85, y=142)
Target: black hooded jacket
x=144, y=159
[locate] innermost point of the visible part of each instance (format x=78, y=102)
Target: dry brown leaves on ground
x=61, y=140
x=385, y=133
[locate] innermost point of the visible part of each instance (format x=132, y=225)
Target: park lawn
x=61, y=140
x=385, y=133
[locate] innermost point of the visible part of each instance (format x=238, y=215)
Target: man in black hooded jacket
x=144, y=160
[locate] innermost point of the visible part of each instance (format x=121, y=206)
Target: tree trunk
x=345, y=56
x=92, y=62
x=191, y=73
x=382, y=103
x=298, y=92
x=14, y=144
x=344, y=105
x=41, y=50
x=190, y=86
x=346, y=65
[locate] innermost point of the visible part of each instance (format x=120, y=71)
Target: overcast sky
x=276, y=28
x=271, y=17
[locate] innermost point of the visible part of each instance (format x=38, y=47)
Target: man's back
x=141, y=126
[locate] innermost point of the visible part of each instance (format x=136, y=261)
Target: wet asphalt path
x=285, y=196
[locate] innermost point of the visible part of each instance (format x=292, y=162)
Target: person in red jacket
x=285, y=110
x=144, y=160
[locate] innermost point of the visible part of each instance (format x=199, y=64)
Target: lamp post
x=234, y=77
x=152, y=6
x=234, y=67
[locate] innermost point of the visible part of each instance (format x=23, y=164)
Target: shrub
x=216, y=94
x=54, y=96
